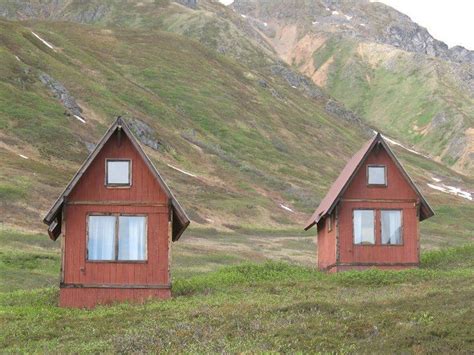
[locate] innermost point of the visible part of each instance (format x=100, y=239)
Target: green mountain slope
x=251, y=138
x=382, y=65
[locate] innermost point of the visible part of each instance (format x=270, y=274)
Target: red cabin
x=117, y=218
x=370, y=216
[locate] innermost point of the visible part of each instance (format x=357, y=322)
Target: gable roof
x=53, y=217
x=342, y=182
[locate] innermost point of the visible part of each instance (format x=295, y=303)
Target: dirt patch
x=320, y=76
x=284, y=41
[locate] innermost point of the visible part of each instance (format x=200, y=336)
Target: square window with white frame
x=117, y=238
x=118, y=172
x=364, y=227
x=391, y=222
x=377, y=175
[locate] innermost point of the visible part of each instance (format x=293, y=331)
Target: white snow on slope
x=80, y=118
x=335, y=13
x=435, y=179
x=23, y=156
x=244, y=16
x=286, y=208
x=181, y=171
x=18, y=58
x=456, y=191
x=315, y=22
x=44, y=42
x=348, y=17
x=363, y=24
x=394, y=142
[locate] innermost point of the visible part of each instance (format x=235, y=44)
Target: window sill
x=118, y=186
x=116, y=261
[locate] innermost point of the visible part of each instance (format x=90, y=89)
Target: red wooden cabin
x=117, y=218
x=370, y=216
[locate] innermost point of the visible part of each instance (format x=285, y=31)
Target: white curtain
x=364, y=227
x=101, y=244
x=391, y=227
x=132, y=238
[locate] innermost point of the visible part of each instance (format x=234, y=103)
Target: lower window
x=116, y=238
x=391, y=226
x=364, y=231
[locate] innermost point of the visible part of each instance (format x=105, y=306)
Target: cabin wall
x=326, y=244
x=87, y=283
x=398, y=194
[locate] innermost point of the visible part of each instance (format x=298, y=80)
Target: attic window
x=118, y=172
x=377, y=175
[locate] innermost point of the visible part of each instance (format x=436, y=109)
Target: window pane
x=118, y=172
x=101, y=245
x=376, y=175
x=132, y=238
x=364, y=227
x=391, y=227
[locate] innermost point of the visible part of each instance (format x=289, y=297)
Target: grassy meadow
x=258, y=304
x=238, y=292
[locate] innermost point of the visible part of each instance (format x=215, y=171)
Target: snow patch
x=315, y=22
x=294, y=87
x=394, y=142
x=328, y=9
x=435, y=179
x=181, y=171
x=265, y=24
x=18, y=58
x=363, y=24
x=335, y=13
x=80, y=118
x=456, y=191
x=348, y=17
x=23, y=156
x=286, y=208
x=44, y=42
x=244, y=16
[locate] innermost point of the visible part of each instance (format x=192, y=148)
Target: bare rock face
x=297, y=80
x=62, y=94
x=144, y=133
x=189, y=3
x=355, y=18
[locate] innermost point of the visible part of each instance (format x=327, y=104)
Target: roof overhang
x=54, y=216
x=341, y=184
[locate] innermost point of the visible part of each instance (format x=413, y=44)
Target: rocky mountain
x=247, y=138
x=382, y=65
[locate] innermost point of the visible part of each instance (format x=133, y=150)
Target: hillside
x=253, y=134
x=383, y=66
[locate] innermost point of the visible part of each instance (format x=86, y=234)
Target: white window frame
x=384, y=184
x=374, y=212
x=106, y=175
x=116, y=237
x=401, y=226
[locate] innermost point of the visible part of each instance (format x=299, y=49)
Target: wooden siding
x=326, y=244
x=87, y=283
x=398, y=194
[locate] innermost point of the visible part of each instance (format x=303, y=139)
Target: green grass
x=265, y=307
x=399, y=97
